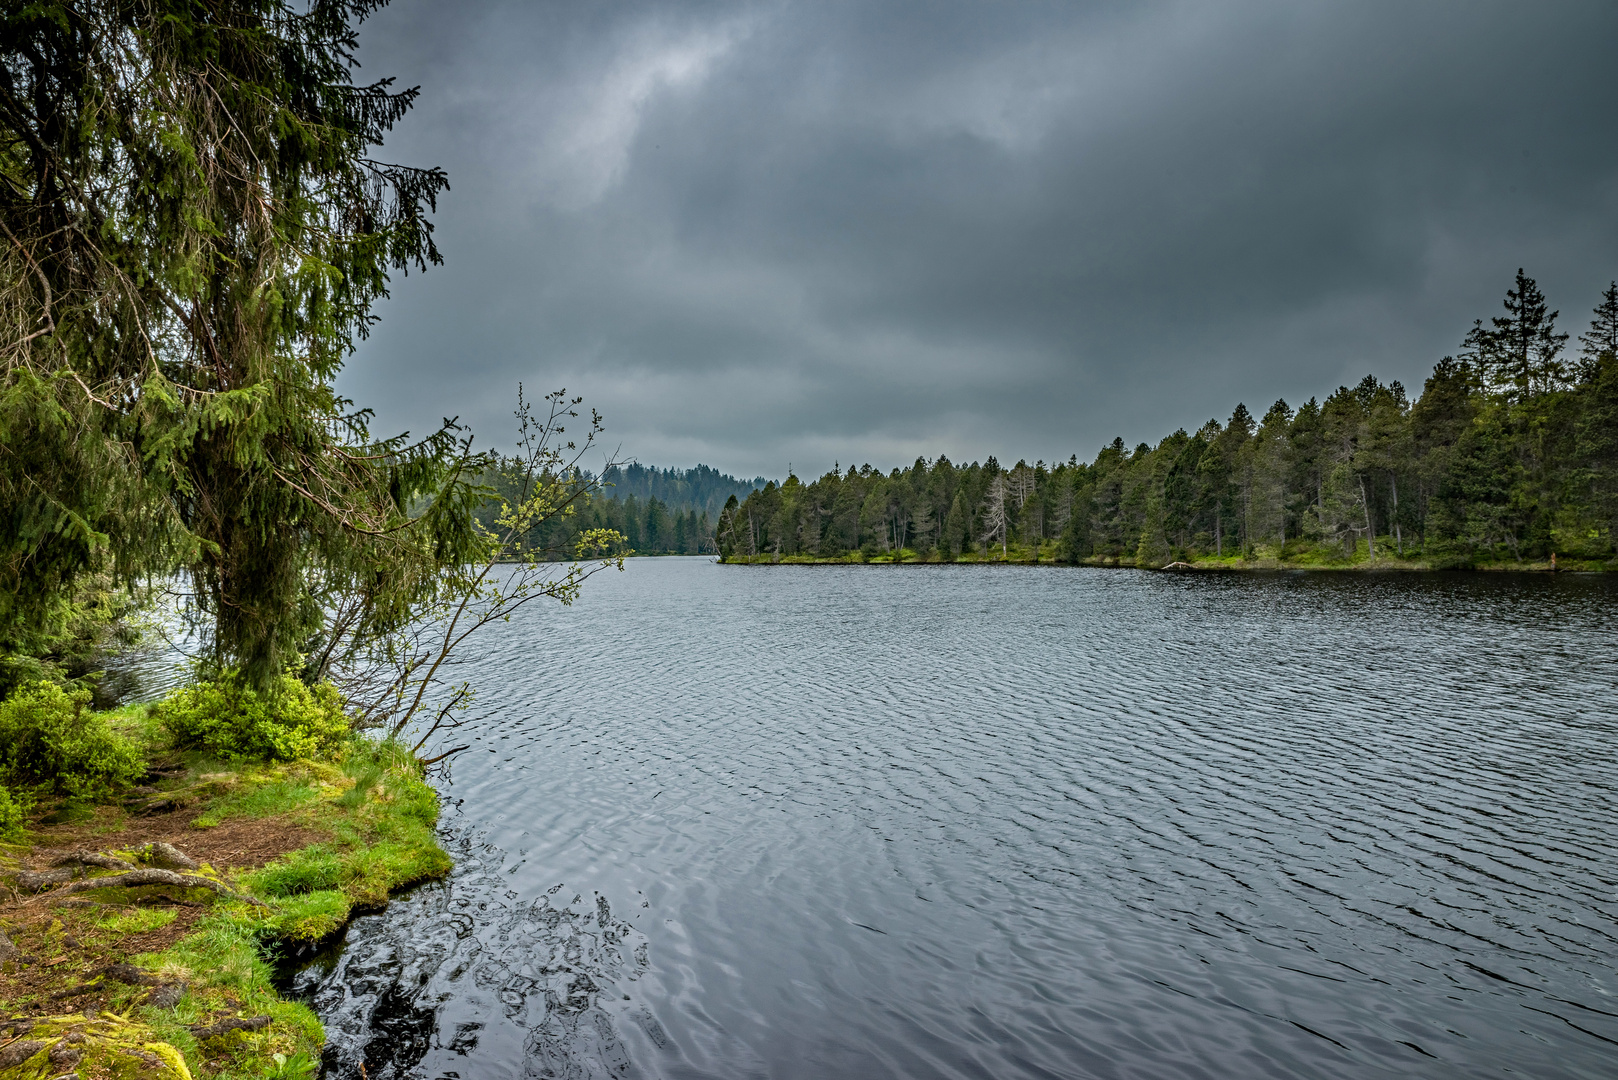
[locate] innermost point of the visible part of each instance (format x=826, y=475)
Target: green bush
x=11, y=816
x=48, y=739
x=232, y=720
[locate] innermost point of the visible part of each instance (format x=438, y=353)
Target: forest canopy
x=657, y=511
x=1509, y=454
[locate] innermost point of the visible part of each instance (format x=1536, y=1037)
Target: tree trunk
x=1370, y=533
x=1247, y=520
x=1398, y=535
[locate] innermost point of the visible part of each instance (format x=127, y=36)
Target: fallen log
x=154, y=876
x=94, y=858
x=168, y=856
x=35, y=881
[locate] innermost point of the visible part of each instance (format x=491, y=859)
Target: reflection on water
x=543, y=976
x=1017, y=822
x=160, y=662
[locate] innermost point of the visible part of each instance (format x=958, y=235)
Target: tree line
x=702, y=489
x=655, y=511
x=1509, y=454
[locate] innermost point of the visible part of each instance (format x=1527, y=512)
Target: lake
x=788, y=822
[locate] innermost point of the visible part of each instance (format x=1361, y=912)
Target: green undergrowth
x=372, y=817
x=378, y=842
x=378, y=817
x=229, y=973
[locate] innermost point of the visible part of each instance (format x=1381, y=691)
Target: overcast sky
x=755, y=234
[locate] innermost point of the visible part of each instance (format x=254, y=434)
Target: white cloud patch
x=585, y=142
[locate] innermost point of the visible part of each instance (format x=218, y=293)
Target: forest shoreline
x=1214, y=566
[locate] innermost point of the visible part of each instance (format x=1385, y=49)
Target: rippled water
x=1018, y=822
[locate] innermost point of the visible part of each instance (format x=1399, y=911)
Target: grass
x=260, y=799
x=227, y=969
x=134, y=921
x=374, y=819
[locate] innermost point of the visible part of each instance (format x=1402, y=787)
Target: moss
x=379, y=818
x=110, y=1045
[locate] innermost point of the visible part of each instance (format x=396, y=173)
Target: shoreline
x=1205, y=566
x=217, y=876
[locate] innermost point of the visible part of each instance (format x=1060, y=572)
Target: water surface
x=1017, y=822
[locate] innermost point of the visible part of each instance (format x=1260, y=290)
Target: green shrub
x=18, y=670
x=11, y=816
x=48, y=739
x=232, y=720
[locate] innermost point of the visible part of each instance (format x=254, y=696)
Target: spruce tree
x=1519, y=356
x=1600, y=342
x=196, y=233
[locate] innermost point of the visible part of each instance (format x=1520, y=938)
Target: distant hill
x=659, y=511
x=701, y=489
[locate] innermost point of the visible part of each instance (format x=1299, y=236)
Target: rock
x=19, y=1052
x=166, y=996
x=225, y=1027
x=64, y=1055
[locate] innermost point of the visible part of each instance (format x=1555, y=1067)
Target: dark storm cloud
x=751, y=234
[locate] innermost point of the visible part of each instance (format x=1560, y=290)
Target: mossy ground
x=308, y=842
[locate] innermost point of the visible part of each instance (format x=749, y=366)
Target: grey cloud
x=754, y=234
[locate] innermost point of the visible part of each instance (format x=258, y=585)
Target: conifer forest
x=1508, y=456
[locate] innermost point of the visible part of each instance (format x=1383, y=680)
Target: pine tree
x=1519, y=355
x=725, y=533
x=1600, y=342
x=956, y=526
x=1182, y=489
